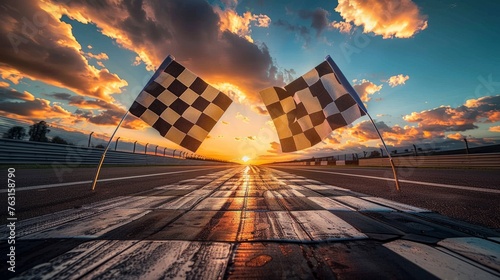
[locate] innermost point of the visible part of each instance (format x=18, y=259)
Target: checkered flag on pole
x=179, y=105
x=308, y=109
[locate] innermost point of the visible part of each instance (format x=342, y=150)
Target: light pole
x=164, y=151
x=173, y=153
x=134, y=147
x=415, y=149
x=156, y=149
x=90, y=136
x=146, y=148
x=116, y=143
x=466, y=145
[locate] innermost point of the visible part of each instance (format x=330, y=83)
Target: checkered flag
x=180, y=105
x=308, y=109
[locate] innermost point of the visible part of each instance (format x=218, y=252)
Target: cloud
x=252, y=138
x=107, y=113
x=260, y=110
x=100, y=56
x=83, y=103
x=366, y=88
x=455, y=136
x=319, y=19
x=39, y=46
x=398, y=80
x=189, y=30
x=393, y=135
x=33, y=109
x=342, y=26
x=262, y=20
x=461, y=118
x=242, y=118
x=364, y=131
x=275, y=148
x=240, y=25
x=8, y=94
x=388, y=18
x=444, y=118
x=494, y=128
x=442, y=123
x=301, y=31
x=488, y=106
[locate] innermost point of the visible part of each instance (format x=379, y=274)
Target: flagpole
x=105, y=151
x=355, y=96
x=388, y=154
x=162, y=67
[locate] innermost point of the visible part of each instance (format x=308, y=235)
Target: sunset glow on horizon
x=427, y=72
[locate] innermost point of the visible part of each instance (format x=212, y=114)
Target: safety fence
x=472, y=160
x=487, y=160
x=29, y=152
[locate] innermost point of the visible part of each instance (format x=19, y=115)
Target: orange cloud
x=100, y=56
x=8, y=94
x=493, y=116
x=240, y=25
x=242, y=118
x=445, y=118
x=388, y=18
x=11, y=74
x=58, y=56
x=342, y=26
x=393, y=135
x=366, y=88
x=494, y=128
x=398, y=80
x=33, y=109
x=275, y=148
x=232, y=22
x=455, y=136
x=150, y=28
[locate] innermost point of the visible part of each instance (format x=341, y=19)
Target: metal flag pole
x=105, y=151
x=388, y=154
x=343, y=80
x=162, y=67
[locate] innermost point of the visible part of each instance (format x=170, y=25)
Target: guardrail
x=29, y=152
x=472, y=160
x=487, y=160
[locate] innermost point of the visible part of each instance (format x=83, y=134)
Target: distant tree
x=374, y=154
x=59, y=140
x=15, y=132
x=38, y=132
x=100, y=146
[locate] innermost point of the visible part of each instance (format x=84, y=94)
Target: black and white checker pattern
x=308, y=109
x=181, y=106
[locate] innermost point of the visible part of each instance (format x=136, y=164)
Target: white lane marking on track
x=100, y=180
x=412, y=182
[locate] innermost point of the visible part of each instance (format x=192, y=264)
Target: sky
x=427, y=71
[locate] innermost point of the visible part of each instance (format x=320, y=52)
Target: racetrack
x=238, y=222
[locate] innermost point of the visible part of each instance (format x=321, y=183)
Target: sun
x=245, y=159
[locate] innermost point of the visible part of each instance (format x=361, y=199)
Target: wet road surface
x=251, y=222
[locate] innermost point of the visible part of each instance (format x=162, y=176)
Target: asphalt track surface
x=255, y=222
